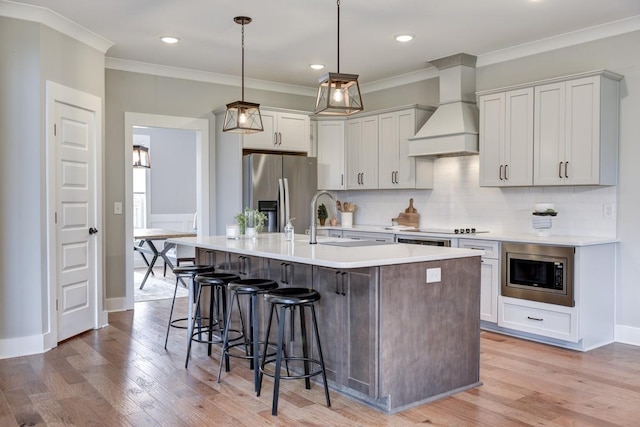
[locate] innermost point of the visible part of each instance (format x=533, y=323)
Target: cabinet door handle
x=537, y=319
x=275, y=138
x=393, y=174
x=506, y=172
x=337, y=276
x=560, y=170
x=341, y=179
x=343, y=276
x=283, y=272
x=280, y=138
x=362, y=179
x=500, y=174
x=566, y=169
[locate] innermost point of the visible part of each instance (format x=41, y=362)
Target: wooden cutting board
x=408, y=219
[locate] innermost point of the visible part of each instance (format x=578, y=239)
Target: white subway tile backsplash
x=457, y=200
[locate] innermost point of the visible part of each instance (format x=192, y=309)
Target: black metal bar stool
x=251, y=342
x=190, y=272
x=288, y=299
x=217, y=285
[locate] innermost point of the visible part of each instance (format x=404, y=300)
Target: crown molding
x=585, y=35
x=55, y=21
x=404, y=79
x=204, y=76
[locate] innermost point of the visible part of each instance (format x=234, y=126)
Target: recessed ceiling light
x=316, y=66
x=170, y=39
x=403, y=38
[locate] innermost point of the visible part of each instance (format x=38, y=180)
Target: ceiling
x=288, y=35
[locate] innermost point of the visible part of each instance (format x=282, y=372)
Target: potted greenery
x=260, y=219
x=322, y=213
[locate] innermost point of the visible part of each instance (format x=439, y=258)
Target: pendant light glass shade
x=141, y=157
x=339, y=93
x=241, y=116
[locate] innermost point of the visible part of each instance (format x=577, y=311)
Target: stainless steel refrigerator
x=282, y=187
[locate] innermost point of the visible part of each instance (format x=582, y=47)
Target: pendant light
x=242, y=116
x=141, y=157
x=339, y=93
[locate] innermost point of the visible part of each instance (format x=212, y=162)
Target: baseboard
x=628, y=335
x=115, y=304
x=22, y=346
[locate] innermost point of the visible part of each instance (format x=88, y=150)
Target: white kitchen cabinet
x=576, y=131
x=330, y=151
x=367, y=235
x=283, y=131
x=396, y=168
x=506, y=138
x=362, y=153
x=489, y=276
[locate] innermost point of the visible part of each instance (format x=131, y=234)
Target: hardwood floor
x=122, y=376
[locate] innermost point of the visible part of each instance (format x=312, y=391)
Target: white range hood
x=453, y=129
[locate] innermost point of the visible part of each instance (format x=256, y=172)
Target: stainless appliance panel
x=276, y=177
x=427, y=241
x=535, y=272
x=302, y=177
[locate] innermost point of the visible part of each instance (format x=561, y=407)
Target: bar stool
x=251, y=342
x=190, y=272
x=217, y=285
x=288, y=299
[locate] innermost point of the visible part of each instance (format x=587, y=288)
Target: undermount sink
x=356, y=243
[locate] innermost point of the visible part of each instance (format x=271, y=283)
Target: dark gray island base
x=388, y=338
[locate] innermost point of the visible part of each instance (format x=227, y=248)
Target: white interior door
x=76, y=249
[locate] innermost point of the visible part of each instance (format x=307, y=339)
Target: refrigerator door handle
x=281, y=203
x=286, y=202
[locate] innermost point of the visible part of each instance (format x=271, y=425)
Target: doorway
x=200, y=128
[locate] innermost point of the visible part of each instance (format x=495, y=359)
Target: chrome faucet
x=314, y=202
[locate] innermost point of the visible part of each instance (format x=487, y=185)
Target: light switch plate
x=117, y=208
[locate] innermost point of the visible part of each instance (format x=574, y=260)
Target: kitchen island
x=399, y=323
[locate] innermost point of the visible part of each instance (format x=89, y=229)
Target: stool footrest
x=290, y=359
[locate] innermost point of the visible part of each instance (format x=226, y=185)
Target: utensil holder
x=346, y=219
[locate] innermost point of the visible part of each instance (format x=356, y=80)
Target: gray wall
x=173, y=174
x=30, y=54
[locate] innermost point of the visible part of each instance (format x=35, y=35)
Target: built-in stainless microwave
x=537, y=272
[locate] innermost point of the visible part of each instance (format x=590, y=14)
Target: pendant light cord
x=338, y=35
x=243, y=61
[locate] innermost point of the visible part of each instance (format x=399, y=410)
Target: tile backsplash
x=457, y=200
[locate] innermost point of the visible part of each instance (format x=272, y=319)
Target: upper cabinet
x=396, y=168
x=283, y=131
x=576, y=132
x=562, y=131
x=362, y=153
x=330, y=155
x=506, y=138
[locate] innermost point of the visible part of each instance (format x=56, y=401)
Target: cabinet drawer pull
x=537, y=319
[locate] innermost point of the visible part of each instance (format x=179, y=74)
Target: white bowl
x=543, y=207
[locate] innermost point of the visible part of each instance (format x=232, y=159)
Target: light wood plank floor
x=121, y=376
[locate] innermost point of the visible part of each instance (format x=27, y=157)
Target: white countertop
x=502, y=237
x=274, y=246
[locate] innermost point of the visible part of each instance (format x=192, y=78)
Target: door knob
x=93, y=230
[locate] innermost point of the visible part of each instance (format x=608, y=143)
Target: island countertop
x=273, y=245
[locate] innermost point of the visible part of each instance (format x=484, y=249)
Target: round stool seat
x=216, y=278
x=252, y=285
x=292, y=296
x=193, y=269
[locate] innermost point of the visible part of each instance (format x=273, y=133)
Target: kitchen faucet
x=314, y=202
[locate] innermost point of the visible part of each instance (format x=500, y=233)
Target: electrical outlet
x=609, y=211
x=434, y=275
x=117, y=208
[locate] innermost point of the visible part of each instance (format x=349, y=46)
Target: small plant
x=322, y=213
x=260, y=219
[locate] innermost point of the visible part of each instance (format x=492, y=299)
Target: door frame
x=201, y=128
x=55, y=93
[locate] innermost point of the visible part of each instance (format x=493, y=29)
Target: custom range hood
x=452, y=130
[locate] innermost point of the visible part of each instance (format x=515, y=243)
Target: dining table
x=145, y=238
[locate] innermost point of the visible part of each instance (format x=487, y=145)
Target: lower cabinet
x=347, y=319
x=365, y=235
x=549, y=320
x=489, y=276
x=247, y=267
